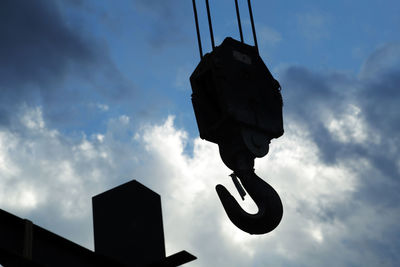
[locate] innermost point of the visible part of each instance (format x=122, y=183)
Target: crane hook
x=269, y=204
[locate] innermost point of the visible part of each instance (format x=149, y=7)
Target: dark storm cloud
x=381, y=95
x=39, y=52
x=313, y=99
x=380, y=101
x=166, y=19
x=309, y=95
x=36, y=46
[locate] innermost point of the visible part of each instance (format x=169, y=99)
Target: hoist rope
x=252, y=25
x=210, y=25
x=197, y=29
x=238, y=19
x=211, y=29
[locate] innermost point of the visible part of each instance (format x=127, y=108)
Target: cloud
x=332, y=105
x=352, y=118
x=336, y=168
x=328, y=212
x=381, y=80
x=385, y=60
x=37, y=46
x=268, y=36
x=314, y=25
x=39, y=55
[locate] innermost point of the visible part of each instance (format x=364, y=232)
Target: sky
x=96, y=93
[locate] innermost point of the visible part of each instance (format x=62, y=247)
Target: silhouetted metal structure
x=128, y=231
x=238, y=105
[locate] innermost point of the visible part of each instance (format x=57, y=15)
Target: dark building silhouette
x=128, y=231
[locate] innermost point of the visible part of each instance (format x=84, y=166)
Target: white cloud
x=34, y=119
x=350, y=126
x=103, y=107
x=50, y=172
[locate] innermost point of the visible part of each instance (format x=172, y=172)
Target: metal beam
x=23, y=243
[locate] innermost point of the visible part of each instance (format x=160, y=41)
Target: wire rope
x=197, y=28
x=238, y=19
